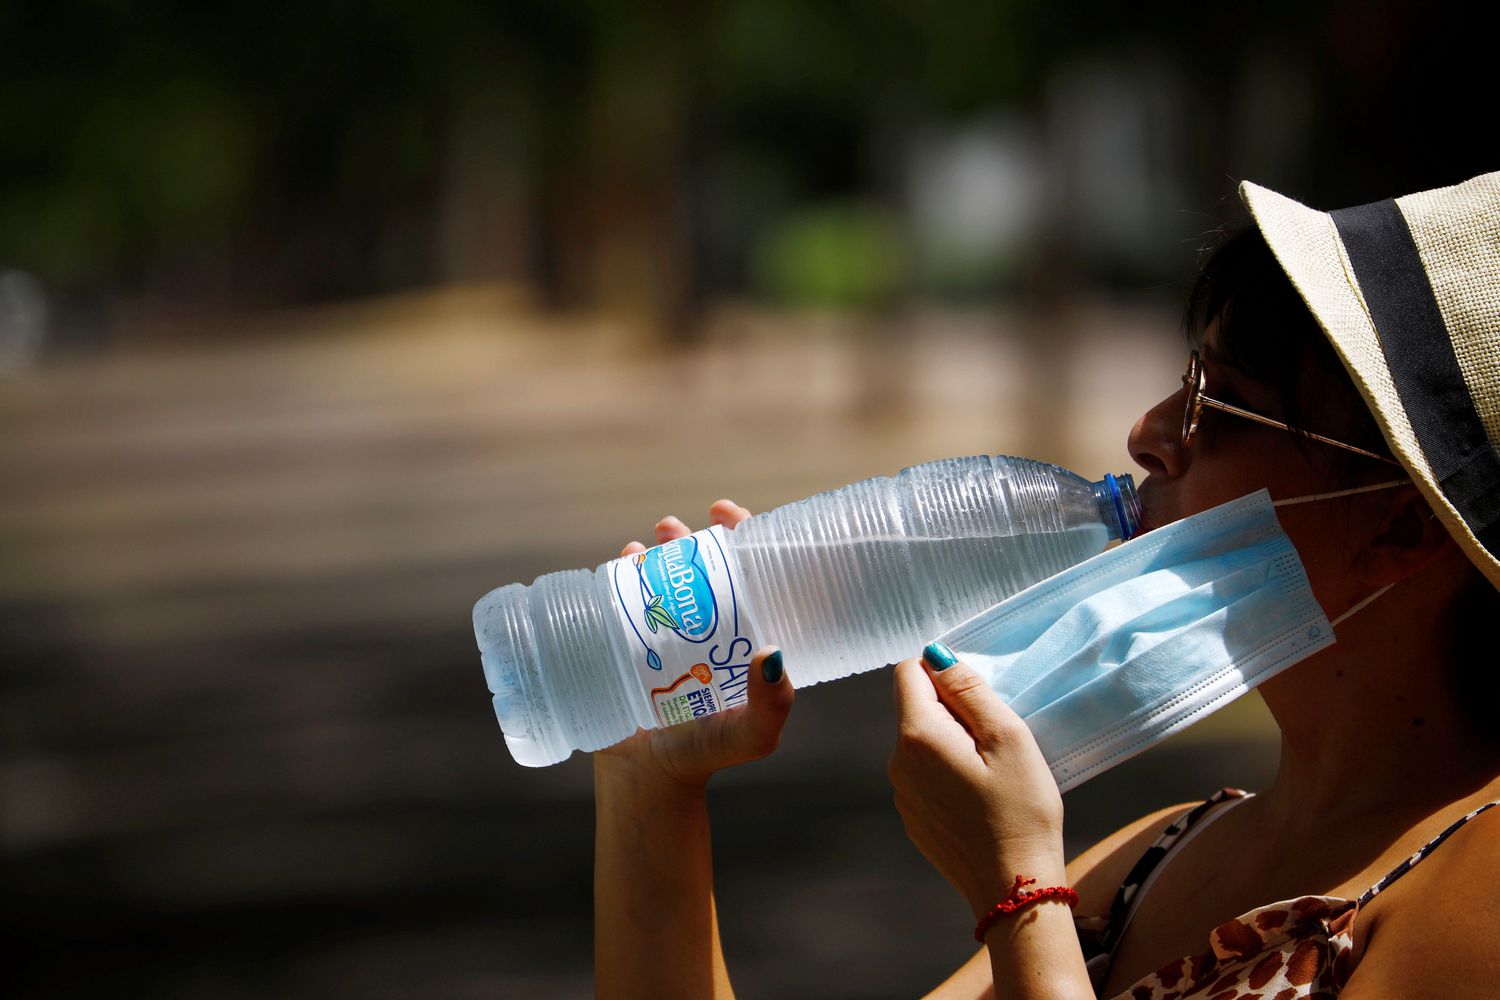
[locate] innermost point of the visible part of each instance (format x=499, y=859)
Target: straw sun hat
x=1408, y=292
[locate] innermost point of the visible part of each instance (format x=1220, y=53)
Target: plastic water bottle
x=843, y=582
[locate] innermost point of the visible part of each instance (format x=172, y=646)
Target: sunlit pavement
x=247, y=744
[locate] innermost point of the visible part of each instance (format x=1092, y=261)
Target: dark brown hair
x=1267, y=332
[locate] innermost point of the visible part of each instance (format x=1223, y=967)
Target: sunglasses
x=1194, y=381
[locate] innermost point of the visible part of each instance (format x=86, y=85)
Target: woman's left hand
x=973, y=790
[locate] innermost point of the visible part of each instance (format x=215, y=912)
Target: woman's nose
x=1155, y=441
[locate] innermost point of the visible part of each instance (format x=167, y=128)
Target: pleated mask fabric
x=1117, y=653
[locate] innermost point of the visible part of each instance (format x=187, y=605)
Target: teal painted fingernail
x=770, y=668
x=938, y=656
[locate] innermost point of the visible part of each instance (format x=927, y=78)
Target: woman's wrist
x=638, y=778
x=1053, y=908
x=1045, y=866
x=1035, y=955
x=1033, y=949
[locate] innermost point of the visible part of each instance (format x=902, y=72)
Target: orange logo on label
x=701, y=671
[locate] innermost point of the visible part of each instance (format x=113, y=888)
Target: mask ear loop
x=1345, y=493
x=1360, y=606
x=1339, y=493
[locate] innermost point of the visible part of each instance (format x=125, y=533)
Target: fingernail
x=938, y=656
x=770, y=668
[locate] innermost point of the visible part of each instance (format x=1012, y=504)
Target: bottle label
x=682, y=611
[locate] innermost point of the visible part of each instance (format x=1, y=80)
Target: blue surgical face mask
x=1124, y=649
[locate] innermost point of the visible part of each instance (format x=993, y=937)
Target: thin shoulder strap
x=1416, y=858
x=1121, y=910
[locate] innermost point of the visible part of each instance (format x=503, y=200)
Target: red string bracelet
x=1018, y=900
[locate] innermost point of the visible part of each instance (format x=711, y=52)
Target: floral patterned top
x=1287, y=950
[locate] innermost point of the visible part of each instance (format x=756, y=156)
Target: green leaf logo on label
x=657, y=616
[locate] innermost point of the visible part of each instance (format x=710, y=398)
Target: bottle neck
x=1119, y=506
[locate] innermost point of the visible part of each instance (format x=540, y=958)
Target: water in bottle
x=843, y=582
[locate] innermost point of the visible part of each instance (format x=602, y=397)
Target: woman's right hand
x=687, y=755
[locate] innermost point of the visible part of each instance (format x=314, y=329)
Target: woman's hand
x=686, y=755
x=973, y=790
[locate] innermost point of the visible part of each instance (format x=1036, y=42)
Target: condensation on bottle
x=843, y=582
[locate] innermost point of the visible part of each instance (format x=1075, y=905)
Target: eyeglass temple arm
x=1260, y=419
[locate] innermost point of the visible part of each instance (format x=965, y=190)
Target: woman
x=1327, y=882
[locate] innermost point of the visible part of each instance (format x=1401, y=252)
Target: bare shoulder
x=1097, y=873
x=1437, y=930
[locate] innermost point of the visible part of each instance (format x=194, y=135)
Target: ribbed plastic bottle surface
x=856, y=578
x=843, y=582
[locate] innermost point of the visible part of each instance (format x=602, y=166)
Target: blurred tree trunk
x=617, y=230
x=486, y=220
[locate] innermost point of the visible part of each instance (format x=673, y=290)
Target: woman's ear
x=1408, y=538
